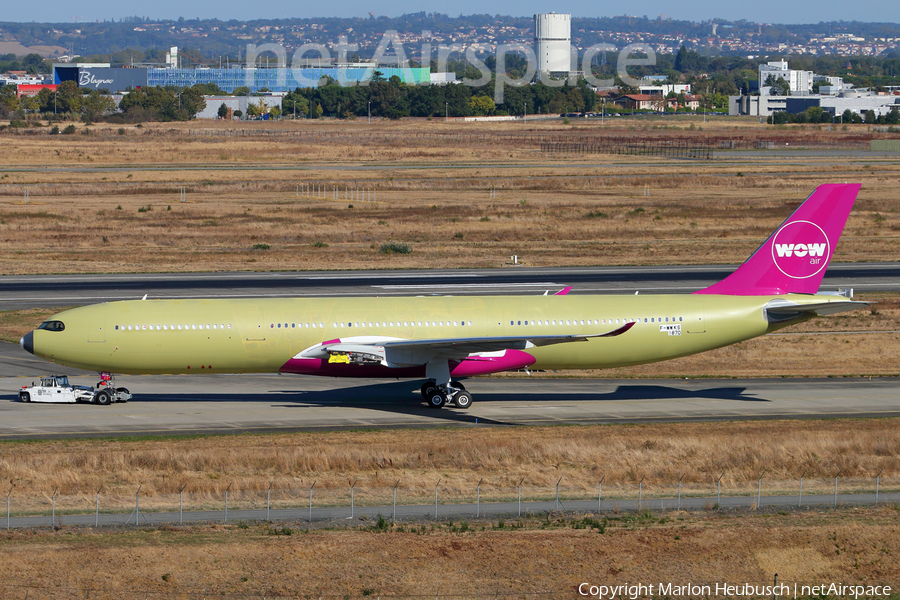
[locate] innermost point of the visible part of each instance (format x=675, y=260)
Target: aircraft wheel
x=25, y=397
x=123, y=391
x=103, y=398
x=428, y=388
x=463, y=399
x=460, y=385
x=437, y=399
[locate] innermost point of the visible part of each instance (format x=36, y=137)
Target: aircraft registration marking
x=671, y=329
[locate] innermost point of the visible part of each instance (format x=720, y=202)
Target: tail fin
x=795, y=257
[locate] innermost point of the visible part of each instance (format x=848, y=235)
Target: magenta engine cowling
x=510, y=360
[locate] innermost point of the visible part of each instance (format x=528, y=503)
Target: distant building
x=26, y=90
x=241, y=103
x=21, y=78
x=834, y=95
x=553, y=43
x=120, y=79
x=800, y=82
x=857, y=102
x=641, y=102
x=652, y=87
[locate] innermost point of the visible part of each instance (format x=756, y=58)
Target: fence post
x=53, y=508
x=800, y=502
x=759, y=489
x=520, y=495
x=719, y=491
x=97, y=509
x=600, y=493
x=435, y=497
x=679, y=490
x=137, y=507
x=835, y=486
x=641, y=492
x=181, y=504
x=394, y=514
x=310, y=500
x=877, y=481
x=478, y=498
x=226, y=500
x=8, y=494
x=352, y=485
x=557, y=493
x=268, y=499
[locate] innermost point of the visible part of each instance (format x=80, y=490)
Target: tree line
x=394, y=99
x=71, y=102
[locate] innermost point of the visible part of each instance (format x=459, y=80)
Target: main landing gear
x=438, y=395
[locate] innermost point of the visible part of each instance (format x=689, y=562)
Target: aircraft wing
x=394, y=351
x=466, y=346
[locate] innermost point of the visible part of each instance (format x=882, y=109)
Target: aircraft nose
x=27, y=342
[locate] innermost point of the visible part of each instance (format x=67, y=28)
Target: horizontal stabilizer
x=790, y=309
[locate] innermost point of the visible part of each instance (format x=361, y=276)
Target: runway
x=21, y=292
x=165, y=405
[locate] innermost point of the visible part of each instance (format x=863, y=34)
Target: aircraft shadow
x=406, y=393
x=403, y=398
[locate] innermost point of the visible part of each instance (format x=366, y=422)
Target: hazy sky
x=764, y=11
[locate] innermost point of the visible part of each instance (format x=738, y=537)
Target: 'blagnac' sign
x=96, y=78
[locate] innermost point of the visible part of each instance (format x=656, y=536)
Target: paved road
x=18, y=292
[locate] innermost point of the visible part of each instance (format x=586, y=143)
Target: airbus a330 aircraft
x=442, y=339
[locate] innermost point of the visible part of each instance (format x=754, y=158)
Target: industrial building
x=834, y=95
x=119, y=79
x=553, y=43
x=800, y=82
x=234, y=103
x=854, y=101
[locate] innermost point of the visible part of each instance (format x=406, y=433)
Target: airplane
x=445, y=338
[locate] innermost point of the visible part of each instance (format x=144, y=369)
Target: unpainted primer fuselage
x=261, y=336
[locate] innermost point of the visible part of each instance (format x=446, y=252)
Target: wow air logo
x=800, y=249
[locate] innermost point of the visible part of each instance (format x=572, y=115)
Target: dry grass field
x=535, y=558
x=110, y=202
x=376, y=460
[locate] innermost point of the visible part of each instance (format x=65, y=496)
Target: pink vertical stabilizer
x=794, y=258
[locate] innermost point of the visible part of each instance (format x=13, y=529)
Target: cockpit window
x=53, y=325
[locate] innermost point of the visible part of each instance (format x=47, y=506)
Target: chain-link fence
x=26, y=507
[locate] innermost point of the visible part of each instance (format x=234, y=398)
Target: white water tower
x=552, y=41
